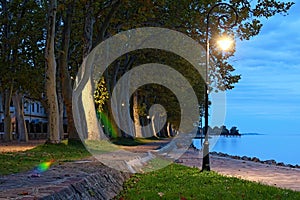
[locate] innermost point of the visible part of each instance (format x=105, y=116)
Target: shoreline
x=286, y=155
x=255, y=159
x=251, y=159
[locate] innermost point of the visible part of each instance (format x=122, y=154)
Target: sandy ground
x=19, y=146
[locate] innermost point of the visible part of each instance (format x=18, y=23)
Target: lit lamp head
x=225, y=43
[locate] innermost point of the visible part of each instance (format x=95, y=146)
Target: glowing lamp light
x=225, y=43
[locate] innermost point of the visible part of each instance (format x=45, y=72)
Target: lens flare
x=107, y=125
x=44, y=166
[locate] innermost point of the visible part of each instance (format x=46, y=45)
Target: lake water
x=285, y=148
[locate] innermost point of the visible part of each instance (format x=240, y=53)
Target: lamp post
x=225, y=45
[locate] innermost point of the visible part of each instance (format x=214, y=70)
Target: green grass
x=15, y=162
x=180, y=182
x=156, y=163
x=135, y=141
x=100, y=146
x=103, y=146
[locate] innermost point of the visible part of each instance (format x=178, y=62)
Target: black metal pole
x=206, y=161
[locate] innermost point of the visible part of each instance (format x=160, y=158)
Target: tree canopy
x=81, y=25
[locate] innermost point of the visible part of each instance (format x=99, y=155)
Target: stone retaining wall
x=74, y=180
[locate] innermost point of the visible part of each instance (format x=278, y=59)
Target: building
x=34, y=113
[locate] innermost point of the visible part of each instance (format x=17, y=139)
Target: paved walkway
x=278, y=176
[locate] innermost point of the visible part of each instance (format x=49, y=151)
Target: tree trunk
x=153, y=126
x=136, y=117
x=169, y=129
x=7, y=91
x=126, y=117
x=52, y=104
x=162, y=123
x=126, y=120
x=60, y=102
x=93, y=130
x=7, y=118
x=89, y=125
x=20, y=119
x=109, y=105
x=64, y=73
x=61, y=111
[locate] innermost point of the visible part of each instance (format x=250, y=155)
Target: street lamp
x=225, y=45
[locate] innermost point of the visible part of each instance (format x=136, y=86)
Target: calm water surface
x=280, y=148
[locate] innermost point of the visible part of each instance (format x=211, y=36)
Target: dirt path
x=19, y=146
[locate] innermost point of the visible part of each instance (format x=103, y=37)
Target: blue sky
x=267, y=99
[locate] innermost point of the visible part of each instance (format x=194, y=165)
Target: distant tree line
x=222, y=130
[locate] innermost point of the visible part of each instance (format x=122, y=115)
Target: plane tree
x=21, y=39
x=188, y=17
x=76, y=27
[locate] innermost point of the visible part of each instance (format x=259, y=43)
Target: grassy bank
x=180, y=182
x=13, y=162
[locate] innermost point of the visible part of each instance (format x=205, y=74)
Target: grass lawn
x=134, y=142
x=13, y=162
x=180, y=182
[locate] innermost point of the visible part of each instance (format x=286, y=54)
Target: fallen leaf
x=160, y=194
x=23, y=193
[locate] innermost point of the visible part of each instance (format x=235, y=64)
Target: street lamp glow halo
x=225, y=43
